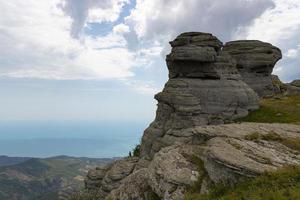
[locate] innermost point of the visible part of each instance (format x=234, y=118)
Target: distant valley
x=48, y=179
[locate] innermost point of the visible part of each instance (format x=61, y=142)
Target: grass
x=86, y=195
x=196, y=187
x=201, y=170
x=292, y=143
x=284, y=110
x=283, y=184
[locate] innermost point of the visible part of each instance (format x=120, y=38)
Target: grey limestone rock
x=134, y=187
x=255, y=62
x=205, y=87
x=172, y=170
x=108, y=178
x=227, y=157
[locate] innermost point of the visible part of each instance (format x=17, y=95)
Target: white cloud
x=155, y=18
x=292, y=53
x=36, y=42
x=91, y=11
x=277, y=24
x=44, y=39
x=143, y=87
x=280, y=26
x=121, y=28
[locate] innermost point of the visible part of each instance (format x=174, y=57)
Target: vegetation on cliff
x=273, y=110
x=283, y=184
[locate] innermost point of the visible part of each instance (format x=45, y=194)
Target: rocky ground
x=194, y=138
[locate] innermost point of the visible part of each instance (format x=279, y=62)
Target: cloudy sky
x=104, y=59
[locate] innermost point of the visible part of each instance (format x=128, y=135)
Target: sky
x=104, y=59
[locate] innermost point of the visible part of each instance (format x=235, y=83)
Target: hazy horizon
x=85, y=139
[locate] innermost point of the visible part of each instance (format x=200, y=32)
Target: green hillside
x=277, y=110
x=44, y=179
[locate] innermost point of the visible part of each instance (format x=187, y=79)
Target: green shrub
x=292, y=143
x=253, y=136
x=272, y=136
x=136, y=151
x=193, y=190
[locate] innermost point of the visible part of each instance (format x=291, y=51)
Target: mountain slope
x=6, y=161
x=49, y=178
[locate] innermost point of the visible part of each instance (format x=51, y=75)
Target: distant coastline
x=79, y=139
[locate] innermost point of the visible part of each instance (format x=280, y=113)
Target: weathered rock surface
x=172, y=170
x=167, y=177
x=226, y=155
x=229, y=160
x=255, y=62
x=134, y=187
x=107, y=178
x=204, y=88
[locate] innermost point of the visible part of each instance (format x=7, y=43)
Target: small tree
x=136, y=150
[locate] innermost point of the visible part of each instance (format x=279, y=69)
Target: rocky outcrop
x=163, y=178
x=255, y=62
x=295, y=83
x=285, y=89
x=278, y=86
x=204, y=88
x=107, y=178
x=191, y=141
x=166, y=178
x=206, y=155
x=293, y=88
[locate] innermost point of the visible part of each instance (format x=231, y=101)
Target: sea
x=94, y=139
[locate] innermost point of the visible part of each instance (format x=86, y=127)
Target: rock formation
x=204, y=88
x=293, y=88
x=190, y=139
x=285, y=89
x=255, y=62
x=108, y=178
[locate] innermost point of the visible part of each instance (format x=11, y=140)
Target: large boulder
x=173, y=170
x=255, y=62
x=134, y=187
x=205, y=87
